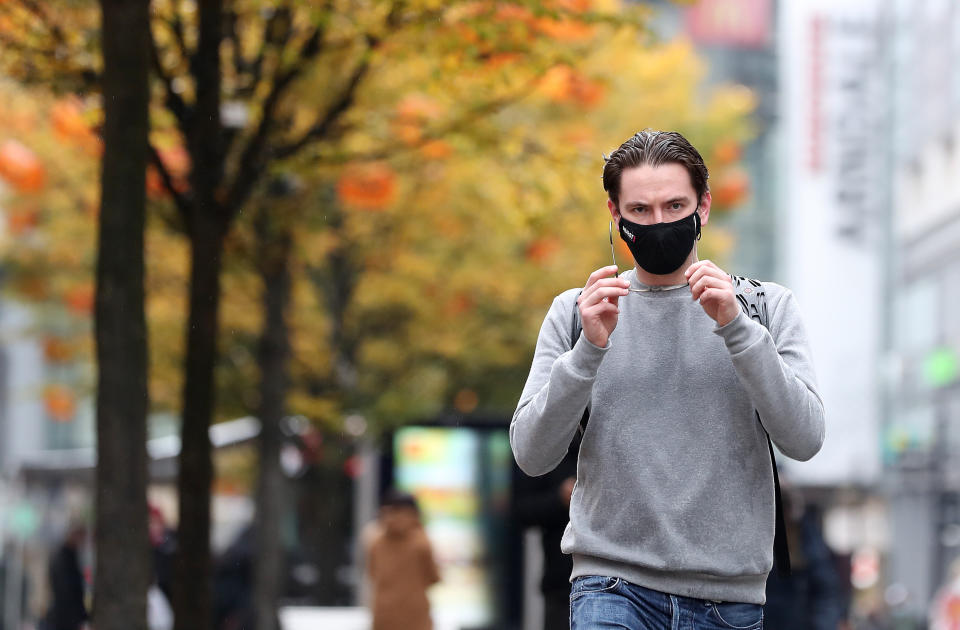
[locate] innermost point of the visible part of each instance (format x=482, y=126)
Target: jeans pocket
x=738, y=616
x=586, y=584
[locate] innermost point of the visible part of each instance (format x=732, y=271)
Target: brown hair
x=654, y=148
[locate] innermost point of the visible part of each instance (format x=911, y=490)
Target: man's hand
x=713, y=288
x=598, y=304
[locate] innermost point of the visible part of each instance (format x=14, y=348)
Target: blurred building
x=921, y=404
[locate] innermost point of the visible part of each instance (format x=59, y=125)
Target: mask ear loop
x=696, y=215
x=617, y=272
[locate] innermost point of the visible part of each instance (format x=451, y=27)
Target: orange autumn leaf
x=562, y=83
x=575, y=6
x=367, y=186
x=176, y=161
x=565, y=29
x=418, y=107
x=79, y=299
x=555, y=83
x=68, y=122
x=459, y=304
x=60, y=402
x=506, y=12
x=436, y=150
x=32, y=287
x=155, y=186
x=21, y=167
x=57, y=350
x=542, y=250
x=731, y=189
x=586, y=92
x=727, y=152
x=22, y=221
x=412, y=113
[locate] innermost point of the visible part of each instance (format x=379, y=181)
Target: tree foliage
x=457, y=226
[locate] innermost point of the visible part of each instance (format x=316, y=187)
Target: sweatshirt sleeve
x=776, y=369
x=556, y=392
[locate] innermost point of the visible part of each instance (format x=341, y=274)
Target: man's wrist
x=727, y=315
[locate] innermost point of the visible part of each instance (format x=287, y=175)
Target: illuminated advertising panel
x=461, y=479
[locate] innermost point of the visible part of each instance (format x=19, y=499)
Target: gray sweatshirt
x=674, y=485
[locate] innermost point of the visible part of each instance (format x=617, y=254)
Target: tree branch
x=323, y=126
x=84, y=78
x=175, y=25
x=172, y=100
x=468, y=119
x=19, y=46
x=253, y=155
x=230, y=18
x=35, y=8
x=180, y=200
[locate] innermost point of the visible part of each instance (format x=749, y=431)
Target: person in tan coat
x=400, y=566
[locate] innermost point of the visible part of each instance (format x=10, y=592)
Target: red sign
x=733, y=23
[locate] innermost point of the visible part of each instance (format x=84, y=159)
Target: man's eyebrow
x=677, y=199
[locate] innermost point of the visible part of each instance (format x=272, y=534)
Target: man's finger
x=599, y=309
x=604, y=283
x=708, y=272
x=598, y=293
x=706, y=282
x=602, y=272
x=711, y=293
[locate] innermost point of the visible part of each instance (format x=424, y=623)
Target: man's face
x=657, y=194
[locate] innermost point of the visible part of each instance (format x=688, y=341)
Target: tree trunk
x=123, y=557
x=208, y=223
x=271, y=489
x=192, y=570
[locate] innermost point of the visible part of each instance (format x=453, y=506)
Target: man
x=67, y=608
x=672, y=516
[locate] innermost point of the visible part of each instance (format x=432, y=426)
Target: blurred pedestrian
x=233, y=583
x=811, y=597
x=164, y=545
x=159, y=596
x=68, y=610
x=672, y=517
x=400, y=566
x=544, y=503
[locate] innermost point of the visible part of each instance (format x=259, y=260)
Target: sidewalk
x=346, y=618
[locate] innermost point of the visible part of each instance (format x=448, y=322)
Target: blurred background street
x=355, y=216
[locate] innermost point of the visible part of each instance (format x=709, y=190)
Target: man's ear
x=704, y=211
x=613, y=211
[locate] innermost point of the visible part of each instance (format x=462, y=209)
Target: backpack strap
x=576, y=328
x=753, y=303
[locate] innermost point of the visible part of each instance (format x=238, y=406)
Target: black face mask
x=662, y=247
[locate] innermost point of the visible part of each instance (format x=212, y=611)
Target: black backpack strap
x=753, y=303
x=576, y=328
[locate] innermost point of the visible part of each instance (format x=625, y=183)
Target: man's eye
x=676, y=205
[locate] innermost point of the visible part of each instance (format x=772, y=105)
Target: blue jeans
x=607, y=602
